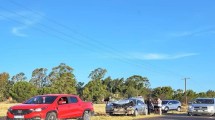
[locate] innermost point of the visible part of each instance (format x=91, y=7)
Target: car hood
x=29, y=106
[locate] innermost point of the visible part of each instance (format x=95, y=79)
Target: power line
x=111, y=50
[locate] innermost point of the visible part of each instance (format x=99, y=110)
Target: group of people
x=154, y=106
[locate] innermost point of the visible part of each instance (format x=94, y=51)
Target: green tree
x=19, y=77
x=79, y=88
x=97, y=74
x=22, y=91
x=191, y=95
x=4, y=78
x=108, y=82
x=95, y=87
x=39, y=77
x=210, y=93
x=138, y=84
x=62, y=79
x=163, y=92
x=202, y=94
x=46, y=90
x=178, y=95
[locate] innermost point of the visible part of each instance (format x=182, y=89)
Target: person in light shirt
x=159, y=106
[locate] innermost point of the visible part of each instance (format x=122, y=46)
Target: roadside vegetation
x=61, y=79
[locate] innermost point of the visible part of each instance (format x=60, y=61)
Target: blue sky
x=163, y=40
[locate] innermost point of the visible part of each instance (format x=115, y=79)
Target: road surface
x=180, y=117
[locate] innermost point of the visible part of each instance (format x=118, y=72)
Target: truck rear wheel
x=86, y=116
x=51, y=116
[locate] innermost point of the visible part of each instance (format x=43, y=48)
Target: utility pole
x=185, y=89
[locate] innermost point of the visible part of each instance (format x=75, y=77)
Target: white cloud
x=25, y=19
x=157, y=56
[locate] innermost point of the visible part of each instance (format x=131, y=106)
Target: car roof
x=58, y=95
x=170, y=100
x=205, y=98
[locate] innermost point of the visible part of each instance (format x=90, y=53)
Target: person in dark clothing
x=150, y=105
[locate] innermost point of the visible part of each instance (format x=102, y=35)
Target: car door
x=175, y=105
x=76, y=108
x=63, y=107
x=171, y=105
x=140, y=106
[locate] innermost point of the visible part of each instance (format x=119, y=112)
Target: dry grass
x=99, y=113
x=4, y=107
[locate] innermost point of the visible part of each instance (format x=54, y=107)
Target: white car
x=171, y=105
x=202, y=106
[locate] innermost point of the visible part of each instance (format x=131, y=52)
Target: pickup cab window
x=73, y=100
x=41, y=100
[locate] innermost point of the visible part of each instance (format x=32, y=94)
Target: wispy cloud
x=157, y=56
x=25, y=20
x=192, y=33
x=148, y=56
x=18, y=31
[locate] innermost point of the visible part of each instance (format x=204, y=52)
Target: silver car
x=171, y=105
x=131, y=106
x=202, y=106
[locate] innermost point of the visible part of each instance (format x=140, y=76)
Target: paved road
x=181, y=117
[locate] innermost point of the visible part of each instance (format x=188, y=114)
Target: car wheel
x=86, y=116
x=110, y=113
x=51, y=116
x=166, y=109
x=189, y=114
x=135, y=113
x=146, y=112
x=179, y=109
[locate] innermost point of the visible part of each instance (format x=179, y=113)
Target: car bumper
x=30, y=116
x=201, y=112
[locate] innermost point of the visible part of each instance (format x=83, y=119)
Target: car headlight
x=9, y=109
x=190, y=107
x=210, y=107
x=38, y=109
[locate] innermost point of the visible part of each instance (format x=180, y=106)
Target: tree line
x=62, y=80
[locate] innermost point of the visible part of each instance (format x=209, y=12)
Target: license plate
x=18, y=116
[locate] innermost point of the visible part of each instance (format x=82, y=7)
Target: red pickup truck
x=51, y=107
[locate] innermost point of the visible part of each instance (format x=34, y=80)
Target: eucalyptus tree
x=136, y=85
x=39, y=77
x=19, y=77
x=62, y=79
x=95, y=89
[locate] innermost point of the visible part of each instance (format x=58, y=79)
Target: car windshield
x=204, y=101
x=164, y=102
x=41, y=100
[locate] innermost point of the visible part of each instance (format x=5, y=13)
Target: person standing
x=159, y=106
x=150, y=105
